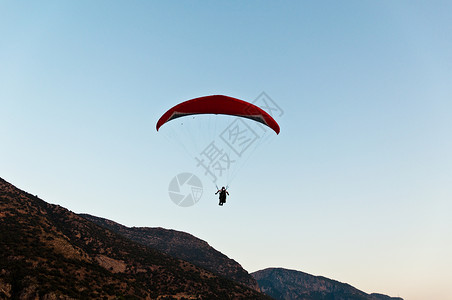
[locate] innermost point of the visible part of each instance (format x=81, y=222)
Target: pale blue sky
x=357, y=187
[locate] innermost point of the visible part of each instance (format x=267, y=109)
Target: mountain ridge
x=49, y=252
x=280, y=283
x=184, y=246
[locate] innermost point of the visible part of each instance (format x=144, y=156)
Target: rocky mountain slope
x=48, y=252
x=184, y=246
x=281, y=283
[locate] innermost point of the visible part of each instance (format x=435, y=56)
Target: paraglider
x=217, y=160
x=222, y=196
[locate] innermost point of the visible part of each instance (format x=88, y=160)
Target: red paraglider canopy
x=219, y=104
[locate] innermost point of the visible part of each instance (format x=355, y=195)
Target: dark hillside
x=183, y=246
x=48, y=252
x=289, y=284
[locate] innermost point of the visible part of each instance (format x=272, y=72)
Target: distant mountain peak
x=280, y=283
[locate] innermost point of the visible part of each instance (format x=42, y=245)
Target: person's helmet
x=223, y=188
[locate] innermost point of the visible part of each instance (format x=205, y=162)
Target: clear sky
x=357, y=186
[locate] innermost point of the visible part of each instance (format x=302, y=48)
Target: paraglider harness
x=223, y=191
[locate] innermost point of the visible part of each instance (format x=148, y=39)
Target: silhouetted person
x=222, y=197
